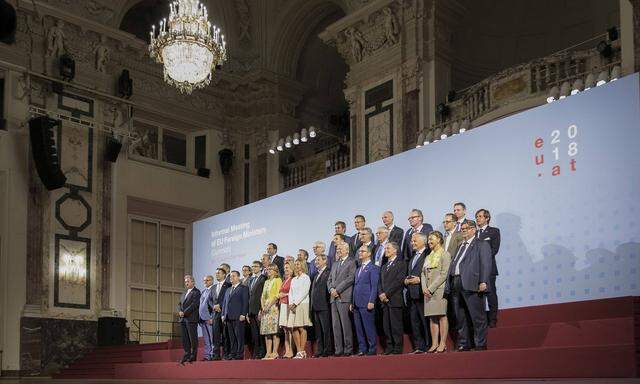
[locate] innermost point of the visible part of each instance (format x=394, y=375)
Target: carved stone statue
x=55, y=40
x=244, y=18
x=391, y=29
x=357, y=43
x=101, y=54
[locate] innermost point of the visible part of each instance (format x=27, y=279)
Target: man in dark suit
x=416, y=220
x=492, y=235
x=321, y=307
x=340, y=286
x=256, y=283
x=390, y=286
x=227, y=281
x=216, y=300
x=452, y=238
x=466, y=286
x=395, y=233
x=272, y=251
x=365, y=291
x=340, y=229
x=366, y=239
x=460, y=210
x=337, y=239
x=234, y=314
x=188, y=318
x=415, y=298
x=355, y=242
x=318, y=250
x=205, y=312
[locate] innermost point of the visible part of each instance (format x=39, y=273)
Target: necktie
x=479, y=232
x=360, y=270
x=415, y=258
x=319, y=273
x=379, y=253
x=460, y=252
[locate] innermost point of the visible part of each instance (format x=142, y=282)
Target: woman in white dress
x=299, y=307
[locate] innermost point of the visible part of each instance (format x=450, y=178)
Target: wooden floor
x=560, y=381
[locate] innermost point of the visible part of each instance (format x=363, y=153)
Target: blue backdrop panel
x=560, y=180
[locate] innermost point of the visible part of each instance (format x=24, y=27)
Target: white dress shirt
x=468, y=244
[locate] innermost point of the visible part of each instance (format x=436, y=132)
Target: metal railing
x=139, y=330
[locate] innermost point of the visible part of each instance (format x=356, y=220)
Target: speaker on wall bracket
x=45, y=151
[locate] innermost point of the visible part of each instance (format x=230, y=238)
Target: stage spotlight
x=565, y=88
x=272, y=149
x=615, y=73
x=602, y=78
x=464, y=125
x=312, y=132
x=553, y=94
x=280, y=146
x=420, y=140
x=590, y=82
x=303, y=135
x=296, y=138
x=287, y=142
x=577, y=87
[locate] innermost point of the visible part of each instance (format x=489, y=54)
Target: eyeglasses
x=413, y=217
x=467, y=228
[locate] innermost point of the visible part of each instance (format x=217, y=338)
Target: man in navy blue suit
x=216, y=300
x=416, y=221
x=188, y=317
x=365, y=291
x=491, y=235
x=234, y=313
x=415, y=297
x=395, y=233
x=466, y=286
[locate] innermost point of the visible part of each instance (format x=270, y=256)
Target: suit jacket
x=255, y=293
x=355, y=243
x=407, y=252
x=414, y=291
x=341, y=278
x=391, y=281
x=279, y=261
x=319, y=292
x=213, y=300
x=454, y=243
x=365, y=287
x=396, y=235
x=475, y=267
x=492, y=235
x=205, y=310
x=374, y=252
x=236, y=302
x=190, y=305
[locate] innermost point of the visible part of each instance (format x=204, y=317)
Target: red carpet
x=586, y=339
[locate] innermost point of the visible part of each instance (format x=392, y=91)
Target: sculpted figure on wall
x=391, y=29
x=244, y=18
x=102, y=54
x=55, y=40
x=357, y=43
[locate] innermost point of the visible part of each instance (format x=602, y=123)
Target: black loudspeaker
x=67, y=67
x=111, y=331
x=204, y=172
x=7, y=23
x=112, y=149
x=45, y=152
x=226, y=160
x=125, y=85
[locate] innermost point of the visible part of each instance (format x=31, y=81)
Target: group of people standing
x=370, y=283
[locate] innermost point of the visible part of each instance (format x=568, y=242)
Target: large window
x=157, y=252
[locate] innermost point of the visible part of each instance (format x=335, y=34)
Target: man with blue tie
x=466, y=286
x=382, y=234
x=416, y=221
x=234, y=315
x=365, y=292
x=415, y=297
x=188, y=318
x=460, y=210
x=206, y=314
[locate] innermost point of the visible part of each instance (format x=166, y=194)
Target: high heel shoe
x=432, y=350
x=441, y=351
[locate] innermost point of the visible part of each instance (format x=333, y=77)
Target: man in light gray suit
x=206, y=313
x=340, y=286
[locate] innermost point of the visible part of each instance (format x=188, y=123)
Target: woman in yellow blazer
x=270, y=312
x=434, y=275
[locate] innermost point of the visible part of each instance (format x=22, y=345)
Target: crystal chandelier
x=188, y=45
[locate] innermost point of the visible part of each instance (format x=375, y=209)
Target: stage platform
x=587, y=339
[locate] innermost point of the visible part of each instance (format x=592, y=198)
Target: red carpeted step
x=578, y=362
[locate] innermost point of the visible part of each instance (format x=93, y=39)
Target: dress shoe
x=317, y=355
x=183, y=360
x=216, y=358
x=463, y=349
x=417, y=352
x=388, y=351
x=397, y=352
x=372, y=353
x=338, y=354
x=360, y=354
x=347, y=354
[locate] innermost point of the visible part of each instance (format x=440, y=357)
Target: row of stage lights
x=450, y=130
x=579, y=85
x=556, y=93
x=288, y=142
